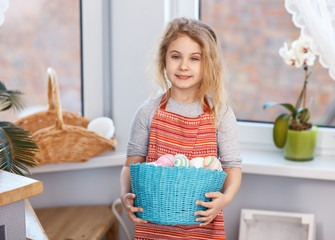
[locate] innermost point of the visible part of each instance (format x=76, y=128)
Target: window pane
x=251, y=33
x=35, y=35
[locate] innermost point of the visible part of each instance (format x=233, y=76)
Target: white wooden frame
x=251, y=220
x=92, y=47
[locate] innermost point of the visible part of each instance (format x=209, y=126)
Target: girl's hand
x=219, y=202
x=128, y=204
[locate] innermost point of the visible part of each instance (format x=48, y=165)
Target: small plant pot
x=300, y=145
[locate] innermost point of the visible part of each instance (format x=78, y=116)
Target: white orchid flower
x=290, y=56
x=299, y=56
x=300, y=53
x=284, y=53
x=303, y=46
x=309, y=58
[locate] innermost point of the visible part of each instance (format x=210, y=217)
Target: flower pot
x=300, y=145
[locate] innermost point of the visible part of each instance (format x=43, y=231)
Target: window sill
x=273, y=163
x=107, y=159
x=254, y=162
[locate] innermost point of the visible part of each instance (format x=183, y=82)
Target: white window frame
x=252, y=135
x=92, y=47
x=185, y=8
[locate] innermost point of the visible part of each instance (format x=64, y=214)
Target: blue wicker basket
x=168, y=195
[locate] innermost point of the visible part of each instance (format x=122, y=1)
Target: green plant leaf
x=2, y=87
x=10, y=99
x=288, y=106
x=280, y=128
x=301, y=95
x=303, y=115
x=304, y=87
x=17, y=148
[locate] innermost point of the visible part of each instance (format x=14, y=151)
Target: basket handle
x=54, y=95
x=50, y=95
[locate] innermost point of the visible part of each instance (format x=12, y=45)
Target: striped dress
x=171, y=133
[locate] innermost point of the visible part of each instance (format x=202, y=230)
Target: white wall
x=136, y=27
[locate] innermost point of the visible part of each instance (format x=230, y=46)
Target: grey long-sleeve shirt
x=227, y=138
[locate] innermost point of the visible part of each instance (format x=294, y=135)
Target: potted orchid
x=292, y=131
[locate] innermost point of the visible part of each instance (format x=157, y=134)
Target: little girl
x=191, y=112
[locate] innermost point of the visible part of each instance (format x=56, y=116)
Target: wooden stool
x=79, y=222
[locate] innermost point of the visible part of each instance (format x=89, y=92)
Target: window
x=251, y=34
x=34, y=36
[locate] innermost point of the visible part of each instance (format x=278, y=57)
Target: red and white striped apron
x=171, y=133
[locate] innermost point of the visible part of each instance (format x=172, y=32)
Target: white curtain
x=4, y=4
x=316, y=19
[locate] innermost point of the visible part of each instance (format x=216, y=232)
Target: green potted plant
x=292, y=131
x=17, y=147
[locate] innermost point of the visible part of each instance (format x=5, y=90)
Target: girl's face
x=184, y=64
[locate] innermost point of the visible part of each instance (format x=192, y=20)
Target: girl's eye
x=195, y=59
x=175, y=57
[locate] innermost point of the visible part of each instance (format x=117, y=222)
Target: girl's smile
x=183, y=77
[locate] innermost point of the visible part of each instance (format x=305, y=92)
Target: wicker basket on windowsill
x=39, y=120
x=63, y=142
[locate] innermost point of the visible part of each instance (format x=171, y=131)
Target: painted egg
x=197, y=162
x=212, y=163
x=165, y=160
x=180, y=160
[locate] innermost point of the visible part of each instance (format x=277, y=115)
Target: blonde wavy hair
x=213, y=83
